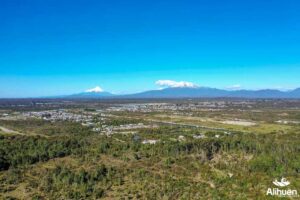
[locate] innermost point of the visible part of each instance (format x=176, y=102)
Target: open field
x=137, y=149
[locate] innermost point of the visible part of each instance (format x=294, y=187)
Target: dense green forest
x=68, y=161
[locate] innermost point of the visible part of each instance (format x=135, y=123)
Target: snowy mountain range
x=191, y=92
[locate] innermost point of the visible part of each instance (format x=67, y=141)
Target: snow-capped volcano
x=96, y=92
x=97, y=89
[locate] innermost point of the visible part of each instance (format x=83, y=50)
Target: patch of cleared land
x=238, y=122
x=13, y=132
x=9, y=131
x=232, y=124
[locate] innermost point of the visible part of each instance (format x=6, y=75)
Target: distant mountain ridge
x=89, y=95
x=204, y=92
x=199, y=92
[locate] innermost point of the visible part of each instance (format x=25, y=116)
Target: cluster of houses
x=109, y=130
x=191, y=106
x=132, y=126
x=182, y=138
x=88, y=119
x=287, y=122
x=150, y=141
x=150, y=107
x=60, y=115
x=85, y=118
x=201, y=136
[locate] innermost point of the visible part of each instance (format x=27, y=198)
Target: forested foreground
x=71, y=162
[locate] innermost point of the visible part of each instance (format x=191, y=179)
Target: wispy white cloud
x=234, y=87
x=96, y=89
x=170, y=83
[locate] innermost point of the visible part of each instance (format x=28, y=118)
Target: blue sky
x=54, y=47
